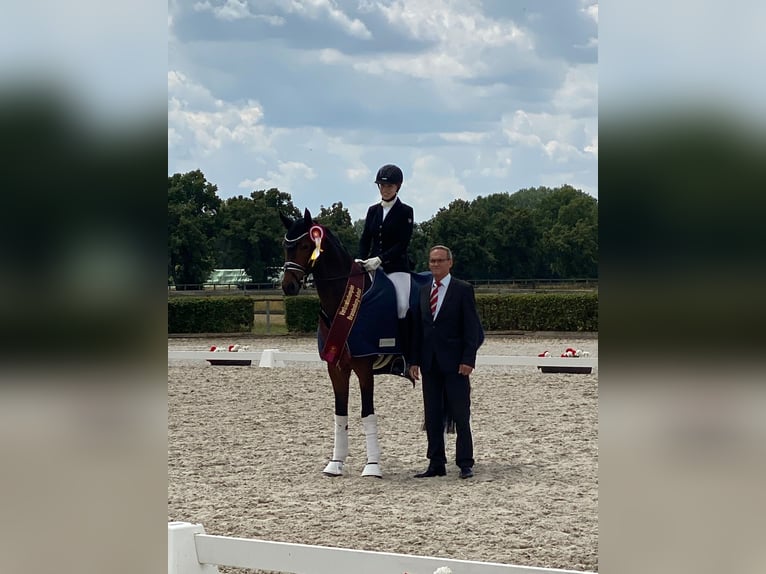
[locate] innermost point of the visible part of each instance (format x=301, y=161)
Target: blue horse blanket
x=375, y=331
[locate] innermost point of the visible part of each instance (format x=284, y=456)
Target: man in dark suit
x=384, y=243
x=447, y=334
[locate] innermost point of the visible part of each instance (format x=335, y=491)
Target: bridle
x=292, y=265
x=298, y=268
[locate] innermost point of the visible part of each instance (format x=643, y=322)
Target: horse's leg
x=340, y=378
x=363, y=370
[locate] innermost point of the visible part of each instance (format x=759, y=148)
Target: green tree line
x=534, y=233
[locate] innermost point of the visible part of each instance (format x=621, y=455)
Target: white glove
x=371, y=264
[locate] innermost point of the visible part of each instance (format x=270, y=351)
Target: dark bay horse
x=311, y=248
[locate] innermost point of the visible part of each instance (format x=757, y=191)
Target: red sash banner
x=335, y=344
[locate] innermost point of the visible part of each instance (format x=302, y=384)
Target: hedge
x=523, y=312
x=210, y=314
x=539, y=312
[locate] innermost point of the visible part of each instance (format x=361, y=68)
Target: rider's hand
x=371, y=264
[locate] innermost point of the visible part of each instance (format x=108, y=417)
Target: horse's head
x=299, y=246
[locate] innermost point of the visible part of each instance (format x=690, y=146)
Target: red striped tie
x=435, y=297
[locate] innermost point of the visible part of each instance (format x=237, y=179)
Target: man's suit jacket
x=454, y=336
x=388, y=238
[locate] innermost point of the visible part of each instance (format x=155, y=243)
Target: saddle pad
x=375, y=329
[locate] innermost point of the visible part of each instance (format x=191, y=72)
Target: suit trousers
x=447, y=392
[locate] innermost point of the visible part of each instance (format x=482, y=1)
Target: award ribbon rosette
x=317, y=234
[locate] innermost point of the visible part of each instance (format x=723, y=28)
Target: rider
x=384, y=242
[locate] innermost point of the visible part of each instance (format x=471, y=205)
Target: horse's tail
x=449, y=424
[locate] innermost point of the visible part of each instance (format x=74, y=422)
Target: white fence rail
x=191, y=551
x=277, y=358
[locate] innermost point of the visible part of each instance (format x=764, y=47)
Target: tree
x=419, y=245
x=338, y=219
x=192, y=223
x=569, y=219
x=533, y=233
x=252, y=232
x=510, y=235
x=359, y=227
x=459, y=228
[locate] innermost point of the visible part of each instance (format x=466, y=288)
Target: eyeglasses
x=434, y=261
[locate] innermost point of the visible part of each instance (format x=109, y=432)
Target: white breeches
x=401, y=283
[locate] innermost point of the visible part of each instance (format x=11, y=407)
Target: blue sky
x=468, y=97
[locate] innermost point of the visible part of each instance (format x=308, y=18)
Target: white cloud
x=287, y=174
x=331, y=56
x=464, y=42
x=592, y=148
x=205, y=124
x=464, y=137
x=358, y=174
x=560, y=151
x=579, y=91
x=430, y=65
x=459, y=25
x=590, y=9
x=232, y=10
x=229, y=10
x=454, y=139
x=174, y=138
x=461, y=35
x=316, y=9
x=555, y=135
x=488, y=164
x=433, y=184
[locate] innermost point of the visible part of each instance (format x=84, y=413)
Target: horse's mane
x=336, y=241
x=299, y=228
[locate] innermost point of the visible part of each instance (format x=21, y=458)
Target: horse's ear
x=307, y=218
x=285, y=221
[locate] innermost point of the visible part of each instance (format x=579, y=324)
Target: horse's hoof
x=372, y=469
x=334, y=468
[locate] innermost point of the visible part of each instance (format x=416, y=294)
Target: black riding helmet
x=389, y=173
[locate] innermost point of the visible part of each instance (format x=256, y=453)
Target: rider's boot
x=404, y=329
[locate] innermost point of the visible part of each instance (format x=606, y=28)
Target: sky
x=468, y=97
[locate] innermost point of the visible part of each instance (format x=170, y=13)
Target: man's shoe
x=466, y=472
x=432, y=471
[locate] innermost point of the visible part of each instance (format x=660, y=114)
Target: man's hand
x=414, y=373
x=464, y=369
x=371, y=264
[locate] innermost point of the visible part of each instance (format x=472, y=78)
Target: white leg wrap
x=372, y=468
x=340, y=449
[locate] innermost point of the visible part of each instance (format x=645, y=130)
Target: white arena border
x=277, y=358
x=191, y=551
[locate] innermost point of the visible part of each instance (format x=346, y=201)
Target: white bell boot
x=340, y=449
x=372, y=468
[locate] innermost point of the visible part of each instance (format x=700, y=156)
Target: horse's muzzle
x=290, y=287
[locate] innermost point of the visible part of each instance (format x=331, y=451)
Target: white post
x=182, y=550
x=269, y=360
